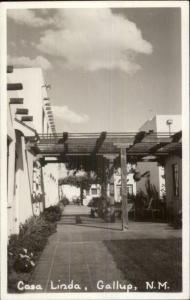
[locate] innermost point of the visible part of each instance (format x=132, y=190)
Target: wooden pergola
x=126, y=146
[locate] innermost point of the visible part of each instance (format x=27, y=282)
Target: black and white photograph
x=94, y=150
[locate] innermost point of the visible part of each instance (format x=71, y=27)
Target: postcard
x=94, y=150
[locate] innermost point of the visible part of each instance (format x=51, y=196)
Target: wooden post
x=110, y=176
x=104, y=179
x=111, y=180
x=124, y=188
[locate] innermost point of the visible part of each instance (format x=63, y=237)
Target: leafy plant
x=64, y=201
x=177, y=220
x=151, y=190
x=24, y=261
x=52, y=213
x=24, y=248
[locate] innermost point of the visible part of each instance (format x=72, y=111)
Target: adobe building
x=29, y=114
x=158, y=123
x=166, y=178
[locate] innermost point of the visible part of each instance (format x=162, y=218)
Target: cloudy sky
x=110, y=69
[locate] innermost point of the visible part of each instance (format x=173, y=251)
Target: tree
x=80, y=179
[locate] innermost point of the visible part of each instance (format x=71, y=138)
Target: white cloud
x=28, y=17
x=94, y=39
x=69, y=116
x=25, y=61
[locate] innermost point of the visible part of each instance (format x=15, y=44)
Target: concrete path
x=76, y=252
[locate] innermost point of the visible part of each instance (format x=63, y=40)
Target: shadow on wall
x=19, y=150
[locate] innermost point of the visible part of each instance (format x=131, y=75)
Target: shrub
x=141, y=202
x=24, y=248
x=34, y=233
x=151, y=191
x=64, y=201
x=24, y=261
x=52, y=213
x=177, y=220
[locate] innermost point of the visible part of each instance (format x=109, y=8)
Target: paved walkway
x=76, y=252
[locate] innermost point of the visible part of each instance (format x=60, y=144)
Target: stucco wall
x=158, y=124
x=149, y=125
x=11, y=145
x=174, y=203
x=24, y=168
x=32, y=92
x=50, y=179
x=70, y=192
x=161, y=123
x=20, y=168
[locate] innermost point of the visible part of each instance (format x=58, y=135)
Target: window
x=175, y=169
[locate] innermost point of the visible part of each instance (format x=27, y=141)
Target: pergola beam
x=139, y=137
x=64, y=138
x=62, y=142
x=157, y=147
x=177, y=137
x=99, y=142
x=91, y=145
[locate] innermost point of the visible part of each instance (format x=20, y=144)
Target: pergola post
x=110, y=176
x=111, y=180
x=123, y=158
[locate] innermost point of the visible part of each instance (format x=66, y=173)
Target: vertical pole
x=111, y=190
x=104, y=180
x=123, y=157
x=111, y=180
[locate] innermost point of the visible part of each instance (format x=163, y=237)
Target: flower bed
x=25, y=248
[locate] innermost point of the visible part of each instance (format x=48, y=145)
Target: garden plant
x=25, y=248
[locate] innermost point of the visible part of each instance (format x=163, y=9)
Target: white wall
x=10, y=172
x=33, y=93
x=149, y=125
x=50, y=179
x=159, y=124
x=24, y=169
x=20, y=168
x=70, y=192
